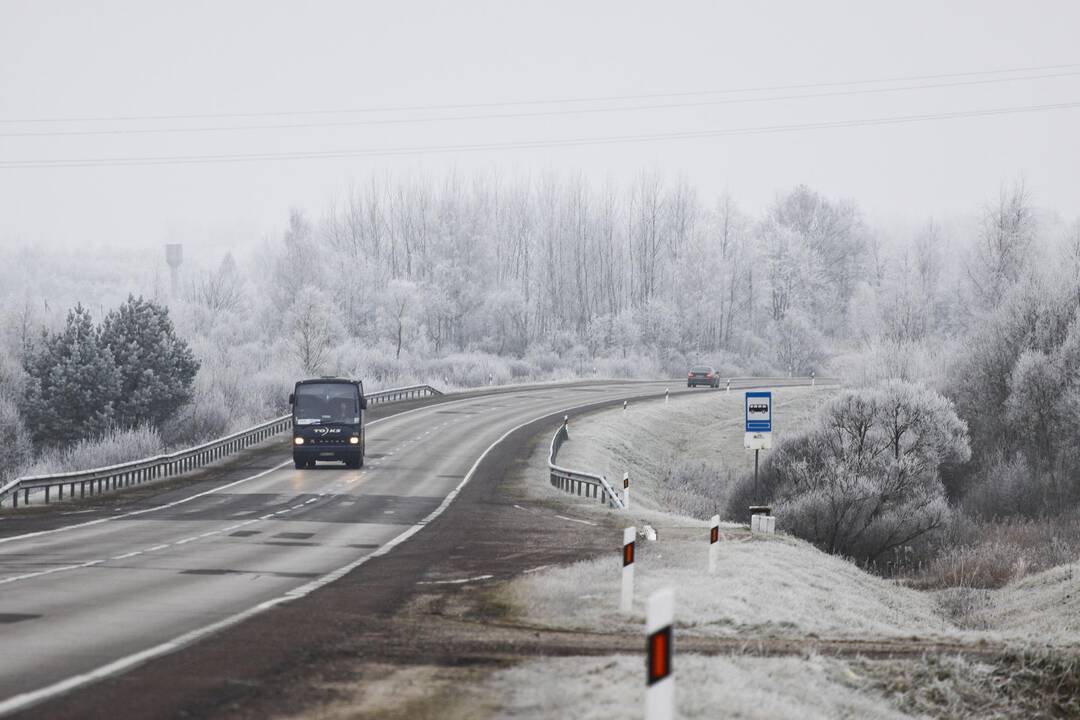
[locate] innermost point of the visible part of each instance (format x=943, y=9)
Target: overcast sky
x=255, y=63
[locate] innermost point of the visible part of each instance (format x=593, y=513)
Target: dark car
x=703, y=375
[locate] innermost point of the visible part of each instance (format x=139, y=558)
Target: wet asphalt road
x=89, y=593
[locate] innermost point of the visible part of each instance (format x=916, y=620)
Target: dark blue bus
x=328, y=421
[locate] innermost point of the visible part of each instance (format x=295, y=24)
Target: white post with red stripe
x=659, y=682
x=714, y=543
x=626, y=603
x=626, y=490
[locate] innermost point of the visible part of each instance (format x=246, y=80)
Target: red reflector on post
x=659, y=655
x=714, y=534
x=628, y=554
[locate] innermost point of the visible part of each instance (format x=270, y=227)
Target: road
x=97, y=596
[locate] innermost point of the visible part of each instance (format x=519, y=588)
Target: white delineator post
x=728, y=388
x=659, y=682
x=813, y=378
x=626, y=490
x=714, y=542
x=626, y=602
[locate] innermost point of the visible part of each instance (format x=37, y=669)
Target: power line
x=543, y=113
x=521, y=145
x=549, y=101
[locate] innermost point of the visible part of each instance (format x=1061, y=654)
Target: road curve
x=82, y=601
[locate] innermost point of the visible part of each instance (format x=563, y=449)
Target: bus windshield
x=326, y=403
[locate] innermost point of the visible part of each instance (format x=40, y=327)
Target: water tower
x=174, y=256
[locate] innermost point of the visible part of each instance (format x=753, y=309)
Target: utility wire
x=518, y=115
x=549, y=101
x=532, y=144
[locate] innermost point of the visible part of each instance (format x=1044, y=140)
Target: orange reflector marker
x=659, y=655
x=628, y=554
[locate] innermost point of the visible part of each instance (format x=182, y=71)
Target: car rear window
x=701, y=369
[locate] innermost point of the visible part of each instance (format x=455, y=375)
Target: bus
x=328, y=421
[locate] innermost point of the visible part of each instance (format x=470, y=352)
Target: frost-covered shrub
x=694, y=488
x=1006, y=488
x=885, y=359
x=112, y=448
x=865, y=478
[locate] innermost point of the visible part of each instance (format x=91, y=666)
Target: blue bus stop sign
x=759, y=412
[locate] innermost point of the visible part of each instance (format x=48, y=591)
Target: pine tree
x=156, y=366
x=73, y=382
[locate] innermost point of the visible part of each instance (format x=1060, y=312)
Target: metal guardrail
x=398, y=394
x=576, y=481
x=115, y=477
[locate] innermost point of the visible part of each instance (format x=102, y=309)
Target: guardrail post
x=659, y=681
x=626, y=601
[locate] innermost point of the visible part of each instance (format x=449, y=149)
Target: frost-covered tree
x=73, y=383
x=18, y=446
x=1001, y=254
x=311, y=328
x=156, y=367
x=221, y=291
x=865, y=478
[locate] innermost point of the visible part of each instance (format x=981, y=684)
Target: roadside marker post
x=813, y=378
x=626, y=603
x=728, y=388
x=626, y=490
x=659, y=682
x=625, y=404
x=667, y=393
x=714, y=543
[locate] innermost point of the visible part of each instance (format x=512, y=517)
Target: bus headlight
x=354, y=440
x=298, y=441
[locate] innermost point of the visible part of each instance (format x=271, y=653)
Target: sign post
x=758, y=436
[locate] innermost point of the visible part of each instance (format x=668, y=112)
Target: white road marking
x=455, y=582
x=50, y=571
x=583, y=522
x=156, y=548
x=535, y=569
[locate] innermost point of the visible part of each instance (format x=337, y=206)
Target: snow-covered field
x=763, y=587
x=810, y=688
